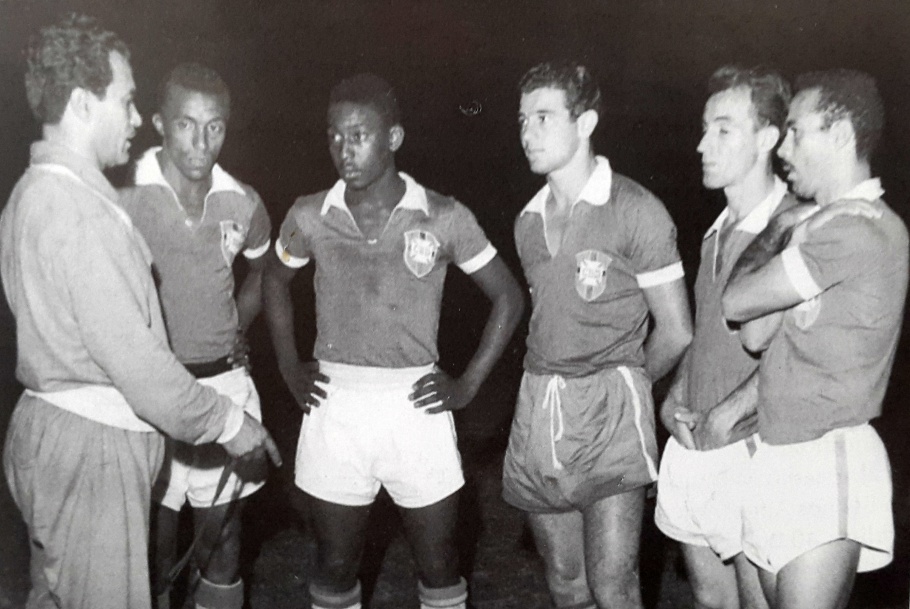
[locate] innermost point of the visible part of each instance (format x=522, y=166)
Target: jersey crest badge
x=591, y=273
x=232, y=238
x=420, y=251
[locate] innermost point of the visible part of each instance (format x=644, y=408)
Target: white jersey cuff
x=257, y=252
x=479, y=261
x=286, y=258
x=660, y=276
x=232, y=423
x=798, y=273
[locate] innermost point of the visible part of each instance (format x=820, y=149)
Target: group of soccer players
x=130, y=328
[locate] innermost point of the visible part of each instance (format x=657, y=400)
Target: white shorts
x=700, y=495
x=367, y=434
x=192, y=472
x=807, y=494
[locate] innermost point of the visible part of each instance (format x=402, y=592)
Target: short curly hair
x=582, y=92
x=72, y=53
x=368, y=90
x=192, y=76
x=851, y=95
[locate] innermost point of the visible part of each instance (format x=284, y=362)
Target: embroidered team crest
x=591, y=273
x=420, y=251
x=232, y=238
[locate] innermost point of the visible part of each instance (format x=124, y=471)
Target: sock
x=218, y=596
x=450, y=597
x=322, y=598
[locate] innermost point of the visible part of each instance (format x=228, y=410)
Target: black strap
x=165, y=584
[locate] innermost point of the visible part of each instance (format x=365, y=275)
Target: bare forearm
x=279, y=314
x=504, y=317
x=677, y=394
x=249, y=299
x=741, y=404
x=663, y=349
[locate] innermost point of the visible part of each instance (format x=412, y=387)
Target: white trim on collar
x=757, y=219
x=415, y=196
x=148, y=172
x=596, y=190
x=868, y=190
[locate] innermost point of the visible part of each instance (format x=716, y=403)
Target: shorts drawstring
x=553, y=401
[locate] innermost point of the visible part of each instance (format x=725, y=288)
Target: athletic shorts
x=191, y=473
x=367, y=433
x=807, y=494
x=700, y=495
x=578, y=440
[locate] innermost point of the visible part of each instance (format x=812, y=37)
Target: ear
x=586, y=122
x=768, y=137
x=81, y=104
x=396, y=137
x=842, y=132
x=159, y=123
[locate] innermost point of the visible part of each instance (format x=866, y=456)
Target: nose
x=135, y=117
x=200, y=141
x=702, y=143
x=347, y=150
x=785, y=150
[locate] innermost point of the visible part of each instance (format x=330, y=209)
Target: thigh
x=612, y=534
x=713, y=581
x=751, y=594
x=431, y=533
x=821, y=578
x=560, y=539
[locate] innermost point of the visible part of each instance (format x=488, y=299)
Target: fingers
x=271, y=449
x=684, y=436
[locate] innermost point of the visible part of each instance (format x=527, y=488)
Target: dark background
x=456, y=65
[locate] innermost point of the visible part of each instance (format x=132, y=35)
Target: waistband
x=361, y=377
x=100, y=403
x=203, y=370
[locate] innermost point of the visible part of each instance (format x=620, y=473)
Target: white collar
x=415, y=196
x=757, y=219
x=868, y=190
x=596, y=190
x=148, y=172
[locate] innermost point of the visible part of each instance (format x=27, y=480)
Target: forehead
x=730, y=104
x=545, y=99
x=122, y=74
x=351, y=114
x=181, y=101
x=803, y=106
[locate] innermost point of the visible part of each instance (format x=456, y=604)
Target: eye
x=724, y=131
x=216, y=128
x=182, y=123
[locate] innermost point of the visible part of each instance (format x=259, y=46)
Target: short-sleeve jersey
x=718, y=364
x=378, y=300
x=193, y=260
x=589, y=311
x=828, y=365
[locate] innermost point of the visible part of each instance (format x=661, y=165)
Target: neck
x=843, y=180
x=567, y=182
x=183, y=186
x=385, y=191
x=76, y=140
x=744, y=196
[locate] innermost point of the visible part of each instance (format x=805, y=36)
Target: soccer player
x=710, y=409
x=83, y=446
x=599, y=252
x=824, y=301
x=196, y=218
x=379, y=410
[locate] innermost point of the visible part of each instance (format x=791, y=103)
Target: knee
x=620, y=589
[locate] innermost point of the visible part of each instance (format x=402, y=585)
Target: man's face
x=114, y=117
x=808, y=146
x=549, y=135
x=729, y=147
x=360, y=142
x=192, y=125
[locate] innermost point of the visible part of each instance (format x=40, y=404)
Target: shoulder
x=307, y=206
x=636, y=203
x=441, y=205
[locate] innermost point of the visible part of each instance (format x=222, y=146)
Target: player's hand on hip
x=437, y=392
x=686, y=421
x=252, y=441
x=304, y=379
x=239, y=357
